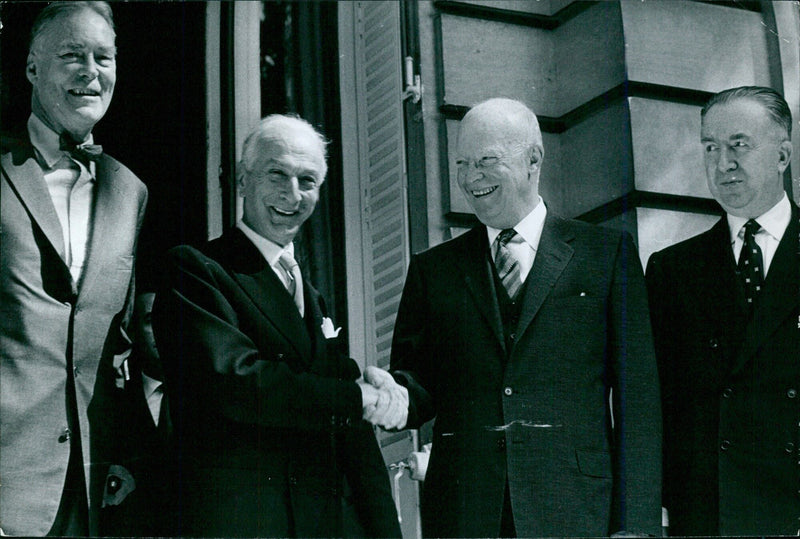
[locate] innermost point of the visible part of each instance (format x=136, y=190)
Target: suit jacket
x=267, y=416
x=45, y=317
x=729, y=386
x=537, y=414
x=148, y=510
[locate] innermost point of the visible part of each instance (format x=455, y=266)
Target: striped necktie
x=751, y=264
x=507, y=266
x=294, y=282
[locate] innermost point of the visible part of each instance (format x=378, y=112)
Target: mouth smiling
x=77, y=92
x=478, y=193
x=284, y=213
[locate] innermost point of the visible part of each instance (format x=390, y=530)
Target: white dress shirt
x=272, y=253
x=524, y=245
x=153, y=394
x=71, y=187
x=773, y=225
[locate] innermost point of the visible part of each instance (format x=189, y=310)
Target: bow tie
x=80, y=152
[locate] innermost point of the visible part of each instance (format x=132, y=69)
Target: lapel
x=109, y=203
x=552, y=256
x=474, y=260
x=27, y=180
x=716, y=278
x=780, y=295
x=249, y=269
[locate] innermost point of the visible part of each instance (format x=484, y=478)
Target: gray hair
x=276, y=128
x=776, y=105
x=55, y=10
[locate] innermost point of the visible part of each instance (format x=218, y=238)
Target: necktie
x=507, y=266
x=294, y=281
x=751, y=265
x=80, y=152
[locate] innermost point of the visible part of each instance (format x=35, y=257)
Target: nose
x=726, y=161
x=291, y=189
x=89, y=67
x=471, y=172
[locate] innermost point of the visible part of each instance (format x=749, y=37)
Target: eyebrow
x=737, y=136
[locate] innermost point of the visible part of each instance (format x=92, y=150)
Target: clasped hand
x=384, y=401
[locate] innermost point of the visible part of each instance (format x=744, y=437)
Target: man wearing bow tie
x=267, y=415
x=70, y=220
x=724, y=306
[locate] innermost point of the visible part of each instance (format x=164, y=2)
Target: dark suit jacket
x=45, y=317
x=542, y=421
x=267, y=416
x=148, y=510
x=731, y=409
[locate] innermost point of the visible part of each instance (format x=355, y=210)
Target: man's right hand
x=391, y=409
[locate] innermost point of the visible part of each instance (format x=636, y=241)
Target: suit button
x=713, y=343
x=792, y=393
x=725, y=445
x=508, y=391
x=501, y=444
x=790, y=447
x=292, y=480
x=64, y=435
x=727, y=392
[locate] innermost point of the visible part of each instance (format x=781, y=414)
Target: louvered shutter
x=382, y=176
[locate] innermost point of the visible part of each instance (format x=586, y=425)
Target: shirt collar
x=774, y=221
x=46, y=141
x=150, y=385
x=529, y=229
x=270, y=250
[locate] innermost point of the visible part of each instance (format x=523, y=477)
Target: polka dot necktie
x=751, y=264
x=507, y=266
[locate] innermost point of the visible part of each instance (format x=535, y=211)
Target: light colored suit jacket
x=534, y=410
x=45, y=317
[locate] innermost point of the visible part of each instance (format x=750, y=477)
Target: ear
x=537, y=154
x=30, y=69
x=784, y=155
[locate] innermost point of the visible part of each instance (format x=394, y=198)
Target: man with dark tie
x=528, y=339
x=70, y=221
x=724, y=307
x=267, y=415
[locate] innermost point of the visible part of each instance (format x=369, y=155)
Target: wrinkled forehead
x=296, y=152
x=484, y=134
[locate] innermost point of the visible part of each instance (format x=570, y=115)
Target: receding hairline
x=61, y=10
x=281, y=130
x=512, y=112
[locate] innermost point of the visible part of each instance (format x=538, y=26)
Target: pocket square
x=327, y=328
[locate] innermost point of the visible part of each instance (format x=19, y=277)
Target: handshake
x=384, y=401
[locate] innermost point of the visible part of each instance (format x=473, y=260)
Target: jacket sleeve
x=213, y=366
x=636, y=402
x=410, y=363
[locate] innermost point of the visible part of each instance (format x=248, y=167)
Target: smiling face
x=72, y=67
x=745, y=154
x=281, y=187
x=498, y=167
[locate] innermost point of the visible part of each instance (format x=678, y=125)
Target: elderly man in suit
x=70, y=220
x=528, y=339
x=267, y=415
x=724, y=306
